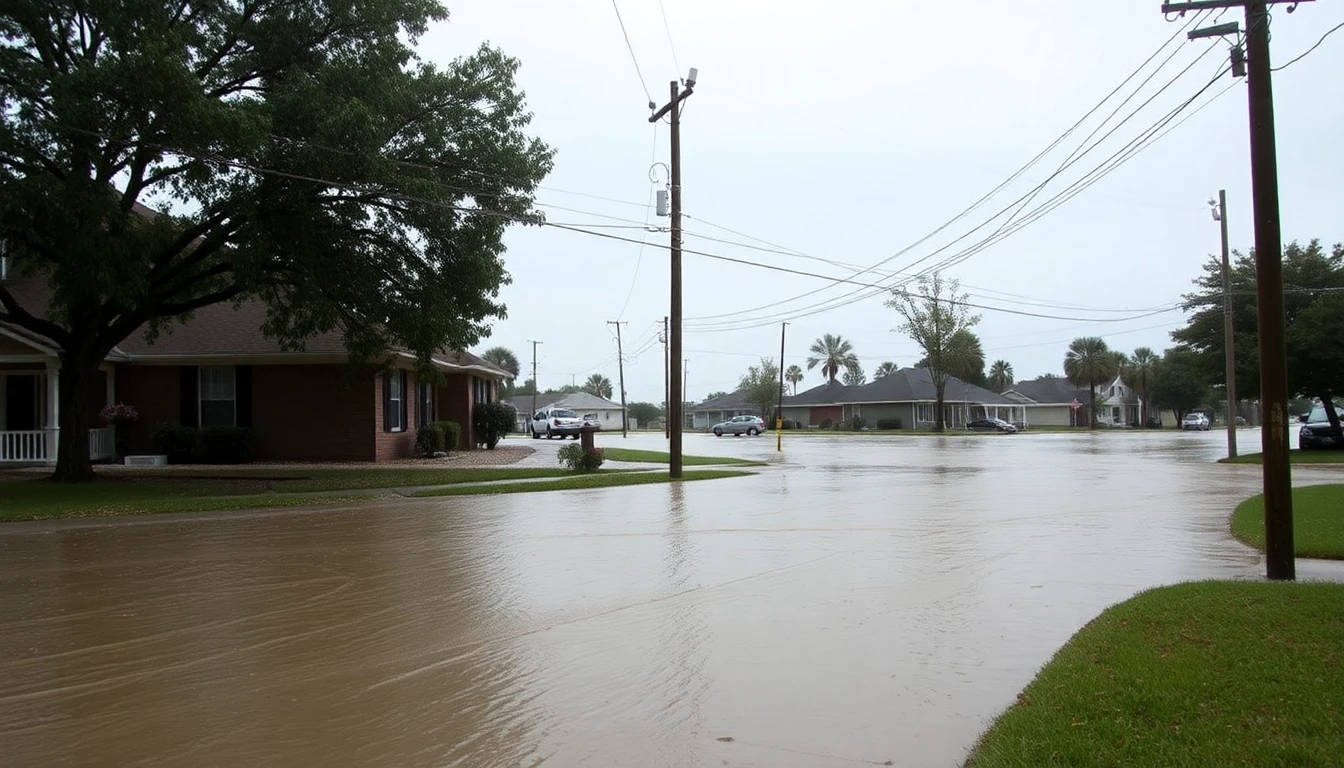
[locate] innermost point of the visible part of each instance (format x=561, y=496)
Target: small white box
x=146, y=461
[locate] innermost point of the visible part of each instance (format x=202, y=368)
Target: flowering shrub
x=120, y=413
x=579, y=460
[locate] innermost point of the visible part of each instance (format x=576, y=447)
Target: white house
x=1118, y=405
x=608, y=413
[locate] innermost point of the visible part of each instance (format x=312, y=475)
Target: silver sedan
x=739, y=425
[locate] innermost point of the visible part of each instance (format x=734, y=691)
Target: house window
x=4, y=260
x=924, y=413
x=394, y=401
x=219, y=396
x=424, y=403
x=482, y=387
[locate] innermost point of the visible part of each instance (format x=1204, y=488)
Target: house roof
x=907, y=385
x=218, y=331
x=1049, y=391
x=733, y=401
x=577, y=401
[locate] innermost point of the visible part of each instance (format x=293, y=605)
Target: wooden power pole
x=620, y=367
x=1229, y=354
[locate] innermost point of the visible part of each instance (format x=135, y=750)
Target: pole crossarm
x=1204, y=5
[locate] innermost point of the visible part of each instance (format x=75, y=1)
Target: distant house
x=716, y=409
x=1118, y=405
x=220, y=370
x=908, y=394
x=1051, y=402
x=608, y=413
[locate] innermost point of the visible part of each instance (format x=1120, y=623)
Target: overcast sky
x=848, y=131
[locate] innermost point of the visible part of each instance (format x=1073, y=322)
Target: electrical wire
x=668, y=29
x=648, y=210
x=1305, y=53
x=631, y=48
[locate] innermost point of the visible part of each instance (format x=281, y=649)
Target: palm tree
x=885, y=369
x=965, y=356
x=1142, y=365
x=793, y=374
x=598, y=385
x=1001, y=375
x=1089, y=361
x=854, y=376
x=834, y=354
x=503, y=357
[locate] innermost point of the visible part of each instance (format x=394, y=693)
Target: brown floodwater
x=864, y=600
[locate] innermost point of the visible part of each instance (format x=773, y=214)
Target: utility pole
x=779, y=409
x=685, y=375
x=620, y=366
x=1276, y=477
x=534, y=382
x=1230, y=361
x=674, y=404
x=667, y=398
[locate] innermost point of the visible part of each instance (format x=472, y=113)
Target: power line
x=631, y=48
x=668, y=29
x=1304, y=54
x=648, y=209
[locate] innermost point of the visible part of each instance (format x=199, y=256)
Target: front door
x=1115, y=415
x=20, y=402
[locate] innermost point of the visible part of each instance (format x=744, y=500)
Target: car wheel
x=548, y=433
x=718, y=432
x=753, y=432
x=535, y=436
x=573, y=437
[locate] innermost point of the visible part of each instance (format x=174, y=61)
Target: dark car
x=991, y=425
x=1317, y=431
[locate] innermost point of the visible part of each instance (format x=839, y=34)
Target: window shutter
x=188, y=379
x=405, y=397
x=387, y=402
x=242, y=395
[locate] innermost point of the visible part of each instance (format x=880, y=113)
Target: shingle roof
x=733, y=401
x=904, y=386
x=219, y=330
x=1049, y=391
x=577, y=401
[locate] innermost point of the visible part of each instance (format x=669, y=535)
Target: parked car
x=556, y=422
x=739, y=425
x=991, y=425
x=1195, y=421
x=1316, y=431
x=590, y=420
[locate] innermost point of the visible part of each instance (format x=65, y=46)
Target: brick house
x=220, y=370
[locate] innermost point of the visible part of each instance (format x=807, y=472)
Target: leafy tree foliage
x=760, y=386
x=885, y=369
x=1142, y=364
x=504, y=358
x=715, y=395
x=854, y=376
x=1001, y=375
x=644, y=413
x=598, y=385
x=307, y=157
x=1178, y=382
x=935, y=313
x=794, y=376
x=966, y=356
x=1090, y=361
x=834, y=354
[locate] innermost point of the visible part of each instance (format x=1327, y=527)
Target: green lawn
x=1203, y=674
x=1318, y=522
x=149, y=492
x=662, y=457
x=1314, y=456
x=577, y=482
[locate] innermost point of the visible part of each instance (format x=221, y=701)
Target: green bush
x=576, y=458
x=857, y=423
x=493, y=421
x=227, y=445
x=891, y=423
x=429, y=440
x=826, y=424
x=791, y=424
x=452, y=435
x=180, y=444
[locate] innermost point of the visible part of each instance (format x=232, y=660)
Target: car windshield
x=1318, y=413
x=562, y=413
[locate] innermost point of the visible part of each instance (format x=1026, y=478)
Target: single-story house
x=219, y=370
x=907, y=394
x=1051, y=402
x=608, y=413
x=722, y=408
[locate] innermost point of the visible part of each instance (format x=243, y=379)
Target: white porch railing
x=27, y=445
x=37, y=446
x=102, y=443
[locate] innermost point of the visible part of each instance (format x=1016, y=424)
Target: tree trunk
x=939, y=424
x=1092, y=405
x=78, y=370
x=1328, y=403
x=1143, y=411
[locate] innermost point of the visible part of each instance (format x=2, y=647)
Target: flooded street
x=862, y=600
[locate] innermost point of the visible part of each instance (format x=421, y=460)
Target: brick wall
x=153, y=390
x=393, y=445
x=453, y=400
x=314, y=413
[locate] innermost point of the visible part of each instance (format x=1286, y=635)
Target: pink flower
x=119, y=414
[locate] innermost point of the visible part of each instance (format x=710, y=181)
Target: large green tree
x=1312, y=275
x=935, y=313
x=1090, y=361
x=1142, y=364
x=504, y=358
x=760, y=386
x=645, y=414
x=303, y=154
x=1001, y=375
x=1178, y=383
x=834, y=354
x=854, y=376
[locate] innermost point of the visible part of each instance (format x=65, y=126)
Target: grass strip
x=1318, y=522
x=1295, y=456
x=1201, y=674
x=580, y=482
x=662, y=457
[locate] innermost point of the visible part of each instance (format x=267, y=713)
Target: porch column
x=110, y=398
x=53, y=427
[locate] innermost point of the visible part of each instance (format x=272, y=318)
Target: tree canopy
x=302, y=155
x=885, y=369
x=644, y=414
x=793, y=375
x=760, y=386
x=1000, y=375
x=1090, y=361
x=935, y=313
x=598, y=385
x=834, y=354
x=1178, y=382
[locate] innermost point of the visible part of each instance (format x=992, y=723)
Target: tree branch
x=15, y=313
